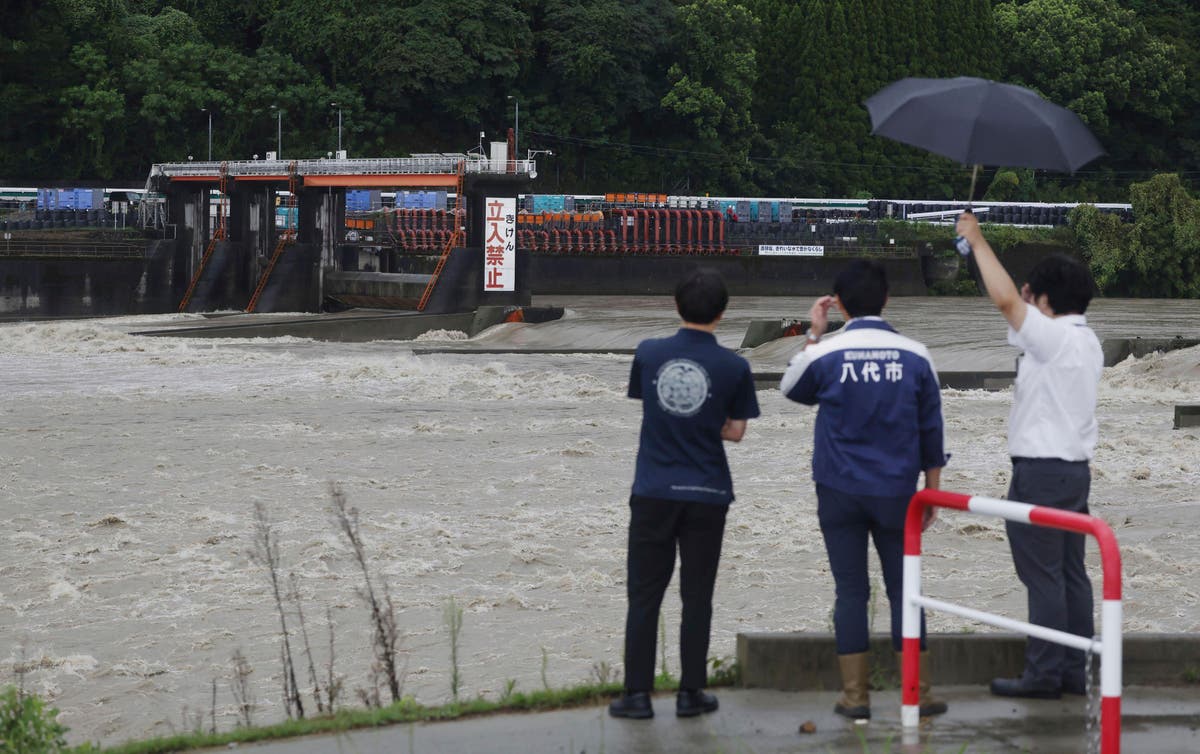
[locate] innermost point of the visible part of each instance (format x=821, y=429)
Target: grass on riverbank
x=406, y=710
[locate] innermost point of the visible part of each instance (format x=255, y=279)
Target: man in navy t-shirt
x=695, y=394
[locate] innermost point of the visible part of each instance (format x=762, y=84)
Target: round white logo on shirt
x=682, y=387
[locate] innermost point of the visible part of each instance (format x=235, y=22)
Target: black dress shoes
x=1024, y=688
x=635, y=706
x=693, y=703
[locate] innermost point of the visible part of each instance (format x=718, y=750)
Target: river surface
x=130, y=466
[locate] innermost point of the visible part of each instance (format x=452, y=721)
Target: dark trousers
x=655, y=527
x=846, y=522
x=1049, y=563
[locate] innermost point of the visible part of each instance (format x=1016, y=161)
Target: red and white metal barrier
x=1108, y=645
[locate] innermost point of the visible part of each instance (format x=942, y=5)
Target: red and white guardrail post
x=1108, y=645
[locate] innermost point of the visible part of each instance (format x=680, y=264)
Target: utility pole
x=516, y=127
x=278, y=132
x=206, y=110
x=339, y=109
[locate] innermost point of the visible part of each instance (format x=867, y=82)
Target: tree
x=92, y=110
x=439, y=65
x=1119, y=78
x=1164, y=242
x=1158, y=255
x=711, y=88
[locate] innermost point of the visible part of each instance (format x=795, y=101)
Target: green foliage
x=1164, y=242
x=1103, y=239
x=1004, y=187
x=1158, y=254
x=1110, y=69
x=28, y=726
x=711, y=88
x=687, y=96
x=961, y=285
x=724, y=671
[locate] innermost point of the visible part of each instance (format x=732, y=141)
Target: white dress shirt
x=1054, y=403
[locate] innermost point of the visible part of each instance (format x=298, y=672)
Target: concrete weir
x=1187, y=415
x=355, y=326
x=234, y=253
x=1117, y=350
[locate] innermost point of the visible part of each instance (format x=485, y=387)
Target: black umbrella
x=980, y=122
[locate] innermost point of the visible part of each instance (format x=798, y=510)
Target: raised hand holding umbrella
x=980, y=122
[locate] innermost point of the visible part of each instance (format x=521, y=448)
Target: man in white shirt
x=1051, y=438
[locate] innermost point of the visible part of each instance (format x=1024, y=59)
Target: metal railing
x=21, y=247
x=440, y=165
x=1107, y=645
x=831, y=248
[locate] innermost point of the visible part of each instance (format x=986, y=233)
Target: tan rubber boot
x=929, y=704
x=855, y=701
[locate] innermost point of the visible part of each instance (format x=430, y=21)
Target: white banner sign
x=500, y=244
x=791, y=251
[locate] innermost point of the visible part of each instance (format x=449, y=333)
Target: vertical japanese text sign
x=500, y=245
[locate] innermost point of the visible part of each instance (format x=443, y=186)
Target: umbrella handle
x=971, y=195
x=960, y=243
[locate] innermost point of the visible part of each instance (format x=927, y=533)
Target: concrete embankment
x=806, y=661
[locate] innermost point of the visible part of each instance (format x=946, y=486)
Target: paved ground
x=1155, y=721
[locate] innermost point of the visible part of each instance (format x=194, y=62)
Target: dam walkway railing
x=48, y=249
x=424, y=165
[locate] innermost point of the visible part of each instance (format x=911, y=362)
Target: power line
x=652, y=150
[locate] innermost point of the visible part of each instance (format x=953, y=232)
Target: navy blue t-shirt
x=689, y=385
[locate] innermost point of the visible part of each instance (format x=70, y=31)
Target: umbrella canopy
x=981, y=122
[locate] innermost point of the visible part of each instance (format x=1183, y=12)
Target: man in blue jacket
x=695, y=394
x=879, y=426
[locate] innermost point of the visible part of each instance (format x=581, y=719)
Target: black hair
x=1066, y=282
x=701, y=296
x=862, y=287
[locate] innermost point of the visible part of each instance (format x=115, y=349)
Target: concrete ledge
x=1117, y=350
x=347, y=327
x=1187, y=416
x=808, y=661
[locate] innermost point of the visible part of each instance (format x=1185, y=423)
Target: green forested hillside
x=719, y=96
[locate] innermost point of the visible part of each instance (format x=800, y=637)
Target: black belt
x=1025, y=459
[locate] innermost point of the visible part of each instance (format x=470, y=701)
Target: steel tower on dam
x=270, y=235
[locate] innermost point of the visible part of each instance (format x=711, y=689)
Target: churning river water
x=130, y=466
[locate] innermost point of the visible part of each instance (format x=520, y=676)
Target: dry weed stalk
x=333, y=683
x=385, y=638
x=294, y=594
x=453, y=616
x=266, y=553
x=240, y=687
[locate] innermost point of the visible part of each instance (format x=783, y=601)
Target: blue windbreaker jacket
x=880, y=418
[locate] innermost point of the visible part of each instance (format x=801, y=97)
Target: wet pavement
x=1154, y=721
